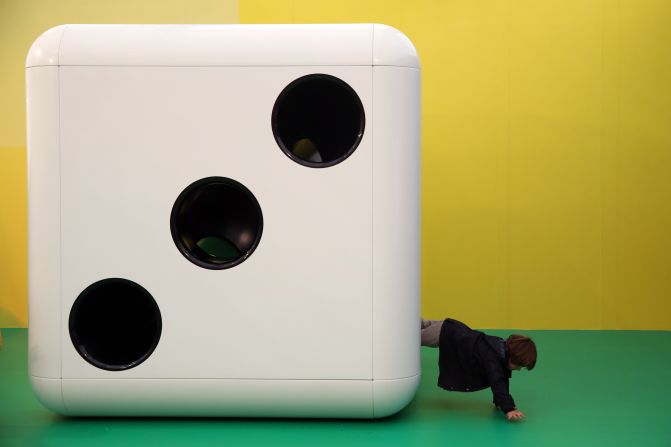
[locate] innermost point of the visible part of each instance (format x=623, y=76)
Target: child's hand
x=515, y=415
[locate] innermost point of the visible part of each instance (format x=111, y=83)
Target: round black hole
x=216, y=223
x=318, y=120
x=115, y=324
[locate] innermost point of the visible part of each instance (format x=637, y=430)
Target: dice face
x=221, y=226
x=138, y=147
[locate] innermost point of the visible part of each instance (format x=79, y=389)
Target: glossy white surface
x=215, y=397
x=210, y=45
x=44, y=215
x=391, y=396
x=323, y=319
x=212, y=397
x=392, y=47
x=49, y=392
x=396, y=223
x=45, y=51
x=299, y=307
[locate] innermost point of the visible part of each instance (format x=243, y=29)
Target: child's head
x=521, y=352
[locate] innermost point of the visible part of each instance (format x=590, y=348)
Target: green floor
x=588, y=389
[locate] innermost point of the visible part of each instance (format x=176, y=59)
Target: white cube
x=224, y=220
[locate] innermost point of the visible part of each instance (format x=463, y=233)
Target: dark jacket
x=470, y=360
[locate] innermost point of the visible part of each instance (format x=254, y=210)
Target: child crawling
x=470, y=360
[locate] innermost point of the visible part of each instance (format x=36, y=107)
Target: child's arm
x=502, y=398
x=498, y=381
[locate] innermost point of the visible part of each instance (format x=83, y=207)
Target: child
x=470, y=360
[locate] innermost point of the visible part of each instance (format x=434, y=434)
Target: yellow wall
x=546, y=148
x=546, y=155
x=21, y=21
x=13, y=236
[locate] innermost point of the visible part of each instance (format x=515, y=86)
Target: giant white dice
x=224, y=220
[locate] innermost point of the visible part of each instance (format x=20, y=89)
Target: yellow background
x=546, y=149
